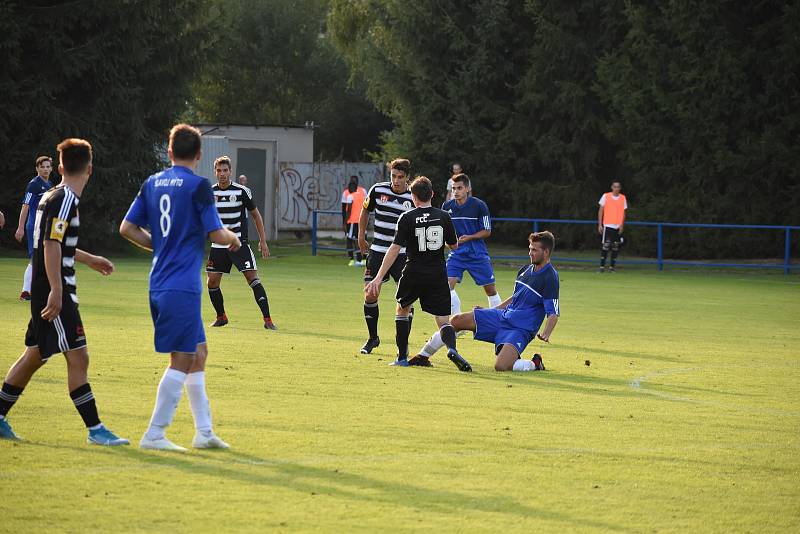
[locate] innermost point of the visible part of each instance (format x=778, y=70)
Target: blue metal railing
x=659, y=261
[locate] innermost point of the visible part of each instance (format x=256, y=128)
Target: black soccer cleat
x=461, y=363
x=372, y=343
x=537, y=362
x=420, y=361
x=222, y=320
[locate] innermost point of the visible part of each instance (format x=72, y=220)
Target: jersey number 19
x=430, y=238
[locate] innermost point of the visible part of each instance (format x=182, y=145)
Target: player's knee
x=606, y=246
x=501, y=367
x=615, y=247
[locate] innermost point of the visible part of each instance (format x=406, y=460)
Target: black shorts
x=610, y=235
x=221, y=259
x=63, y=334
x=352, y=231
x=374, y=260
x=433, y=293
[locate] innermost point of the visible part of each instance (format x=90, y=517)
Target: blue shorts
x=29, y=236
x=478, y=267
x=492, y=327
x=177, y=321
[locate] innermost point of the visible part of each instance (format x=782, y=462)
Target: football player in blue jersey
x=473, y=224
x=512, y=325
x=27, y=215
x=172, y=215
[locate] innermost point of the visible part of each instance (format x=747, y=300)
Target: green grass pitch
x=686, y=418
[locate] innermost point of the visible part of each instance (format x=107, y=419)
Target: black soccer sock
x=8, y=396
x=402, y=328
x=448, y=334
x=371, y=317
x=260, y=295
x=350, y=248
x=83, y=399
x=603, y=256
x=614, y=253
x=410, y=318
x=216, y=300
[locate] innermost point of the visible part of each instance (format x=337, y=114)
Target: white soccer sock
x=455, y=302
x=494, y=300
x=434, y=343
x=26, y=279
x=198, y=400
x=524, y=365
x=169, y=394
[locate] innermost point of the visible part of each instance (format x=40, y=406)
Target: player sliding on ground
x=55, y=324
x=513, y=323
x=233, y=203
x=422, y=232
x=178, y=206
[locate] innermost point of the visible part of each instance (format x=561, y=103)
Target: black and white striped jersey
x=233, y=203
x=56, y=220
x=388, y=206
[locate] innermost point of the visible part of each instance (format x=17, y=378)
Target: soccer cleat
x=25, y=295
x=103, y=436
x=461, y=363
x=208, y=440
x=361, y=263
x=351, y=263
x=268, y=324
x=399, y=363
x=601, y=270
x=420, y=361
x=537, y=362
x=160, y=444
x=612, y=270
x=6, y=432
x=222, y=320
x=372, y=343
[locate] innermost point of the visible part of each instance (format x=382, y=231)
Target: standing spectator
x=242, y=180
x=456, y=169
x=353, y=198
x=610, y=224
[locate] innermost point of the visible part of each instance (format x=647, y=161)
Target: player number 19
x=430, y=238
x=164, y=204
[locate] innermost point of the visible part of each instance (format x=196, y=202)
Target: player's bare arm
x=52, y=266
x=23, y=216
x=548, y=328
x=98, y=263
x=363, y=220
x=373, y=288
x=136, y=235
x=2, y=219
x=262, y=235
x=600, y=220
x=223, y=236
x=483, y=234
x=622, y=224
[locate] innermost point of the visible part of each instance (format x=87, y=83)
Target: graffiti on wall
x=305, y=187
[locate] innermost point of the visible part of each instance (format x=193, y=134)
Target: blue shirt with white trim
x=535, y=297
x=37, y=187
x=178, y=208
x=470, y=218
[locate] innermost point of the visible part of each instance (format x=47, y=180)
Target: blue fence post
x=314, y=233
x=660, y=248
x=787, y=250
x=535, y=226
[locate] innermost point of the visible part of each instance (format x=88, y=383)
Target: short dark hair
x=42, y=159
x=401, y=165
x=223, y=160
x=463, y=178
x=422, y=188
x=75, y=155
x=354, y=178
x=184, y=140
x=547, y=239
x=616, y=182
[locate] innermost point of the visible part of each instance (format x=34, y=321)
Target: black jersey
x=56, y=220
x=424, y=232
x=233, y=204
x=388, y=206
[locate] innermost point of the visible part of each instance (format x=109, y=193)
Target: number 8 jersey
x=424, y=232
x=178, y=208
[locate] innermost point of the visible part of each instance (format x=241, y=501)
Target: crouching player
x=515, y=321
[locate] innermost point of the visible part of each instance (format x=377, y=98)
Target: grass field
x=671, y=403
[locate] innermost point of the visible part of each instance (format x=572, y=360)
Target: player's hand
x=599, y=228
x=262, y=246
x=477, y=307
x=373, y=288
x=53, y=307
x=19, y=234
x=545, y=339
x=101, y=265
x=620, y=230
x=2, y=219
x=363, y=246
x=236, y=245
x=463, y=239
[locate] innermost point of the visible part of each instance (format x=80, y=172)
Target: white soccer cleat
x=160, y=444
x=208, y=441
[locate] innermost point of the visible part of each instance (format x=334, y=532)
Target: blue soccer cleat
x=6, y=432
x=105, y=437
x=399, y=363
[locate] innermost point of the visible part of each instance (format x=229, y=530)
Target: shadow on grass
x=621, y=353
